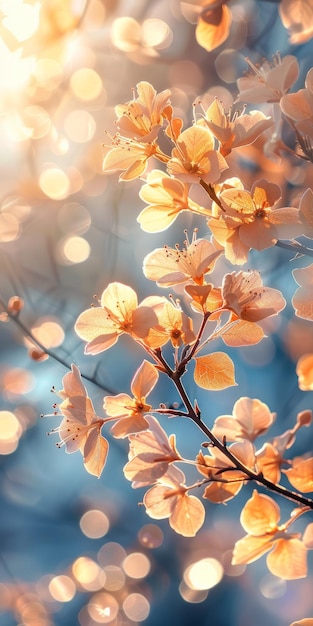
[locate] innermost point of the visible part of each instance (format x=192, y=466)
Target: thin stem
x=295, y=247
x=211, y=192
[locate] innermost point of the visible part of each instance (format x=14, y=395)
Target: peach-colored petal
x=297, y=17
x=188, y=515
x=305, y=372
x=144, y=380
x=213, y=27
x=260, y=515
x=95, y=453
x=300, y=475
x=214, y=371
x=288, y=559
x=250, y=548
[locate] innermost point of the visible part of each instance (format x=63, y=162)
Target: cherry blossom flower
x=270, y=458
x=167, y=197
x=169, y=498
x=298, y=107
x=288, y=554
x=306, y=212
x=194, y=157
x=270, y=81
x=174, y=266
x=302, y=300
x=297, y=17
x=80, y=428
x=305, y=372
x=244, y=294
x=127, y=155
x=130, y=412
x=225, y=480
x=141, y=118
x=174, y=325
x=250, y=419
x=233, y=131
x=150, y=454
x=119, y=313
x=252, y=220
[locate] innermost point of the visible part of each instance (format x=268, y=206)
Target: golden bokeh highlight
x=80, y=126
x=103, y=608
x=48, y=332
x=48, y=73
x=150, y=536
x=156, y=33
x=16, y=381
x=203, y=574
x=112, y=553
x=86, y=84
x=9, y=227
x=10, y=432
x=94, y=524
x=88, y=574
x=137, y=565
x=73, y=250
x=193, y=596
x=126, y=34
x=54, y=183
x=62, y=588
x=136, y=607
x=114, y=578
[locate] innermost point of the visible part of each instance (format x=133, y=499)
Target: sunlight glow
x=94, y=524
x=203, y=574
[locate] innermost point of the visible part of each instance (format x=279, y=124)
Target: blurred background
x=75, y=550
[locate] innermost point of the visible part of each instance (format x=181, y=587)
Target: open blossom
x=150, y=454
x=244, y=294
x=225, y=480
x=288, y=553
x=252, y=220
x=250, y=419
x=80, y=428
x=298, y=107
x=169, y=498
x=302, y=300
x=174, y=266
x=141, y=118
x=233, y=131
x=130, y=412
x=128, y=156
x=270, y=458
x=174, y=325
x=118, y=313
x=194, y=158
x=167, y=197
x=270, y=81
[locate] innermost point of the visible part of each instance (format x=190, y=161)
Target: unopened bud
x=304, y=418
x=15, y=305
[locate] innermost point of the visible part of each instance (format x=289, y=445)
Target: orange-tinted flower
x=250, y=419
x=150, y=454
x=305, y=372
x=142, y=117
x=167, y=197
x=130, y=412
x=259, y=518
x=233, y=131
x=297, y=17
x=251, y=220
x=174, y=325
x=174, y=266
x=302, y=300
x=194, y=158
x=298, y=107
x=225, y=479
x=127, y=155
x=300, y=475
x=119, y=313
x=269, y=81
x=169, y=498
x=80, y=428
x=244, y=294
